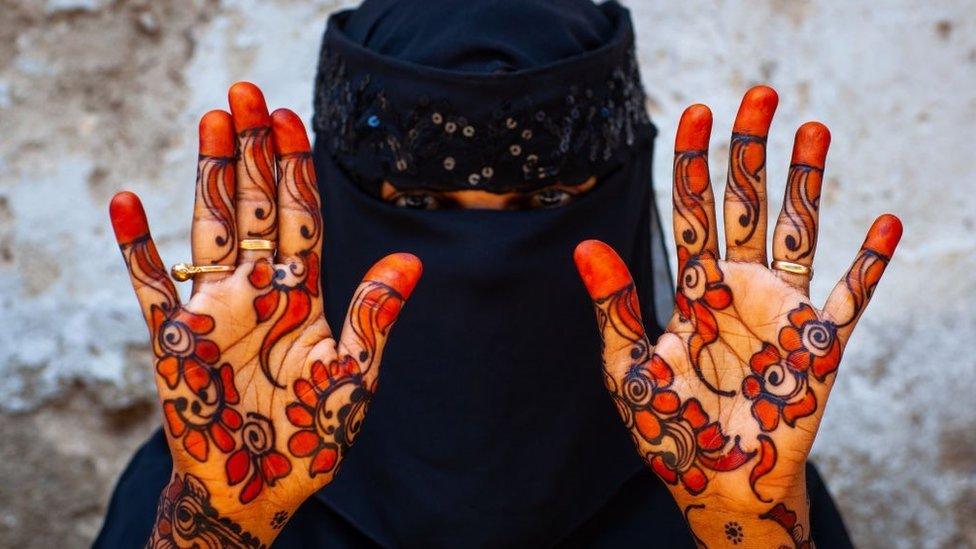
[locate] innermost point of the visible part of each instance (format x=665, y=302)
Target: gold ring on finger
x=256, y=244
x=794, y=268
x=185, y=271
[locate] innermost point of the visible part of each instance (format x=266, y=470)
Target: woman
x=522, y=124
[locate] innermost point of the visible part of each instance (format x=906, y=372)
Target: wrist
x=723, y=520
x=189, y=514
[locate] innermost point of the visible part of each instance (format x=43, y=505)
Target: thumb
x=374, y=308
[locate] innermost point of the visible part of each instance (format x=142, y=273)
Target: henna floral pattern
x=329, y=412
x=185, y=517
x=701, y=291
x=216, y=187
x=208, y=415
x=181, y=349
x=691, y=184
x=812, y=343
x=258, y=457
x=777, y=389
x=298, y=284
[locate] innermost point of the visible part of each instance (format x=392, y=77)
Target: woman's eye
x=550, y=198
x=416, y=201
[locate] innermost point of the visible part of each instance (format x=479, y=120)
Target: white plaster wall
x=98, y=95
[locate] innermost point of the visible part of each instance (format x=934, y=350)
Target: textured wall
x=97, y=95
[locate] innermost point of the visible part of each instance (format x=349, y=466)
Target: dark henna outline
x=743, y=183
x=257, y=457
x=687, y=511
x=862, y=279
x=185, y=516
x=328, y=413
x=256, y=157
x=800, y=209
x=765, y=464
x=217, y=189
x=689, y=202
x=787, y=519
x=298, y=177
x=370, y=317
x=141, y=259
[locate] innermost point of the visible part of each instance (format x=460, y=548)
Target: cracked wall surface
x=99, y=95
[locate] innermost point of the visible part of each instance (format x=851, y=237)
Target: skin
x=552, y=196
x=251, y=378
x=725, y=405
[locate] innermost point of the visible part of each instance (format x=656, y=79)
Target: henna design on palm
x=249, y=363
x=739, y=380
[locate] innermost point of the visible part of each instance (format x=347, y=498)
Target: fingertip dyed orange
x=884, y=235
x=247, y=106
x=756, y=111
x=602, y=270
x=400, y=271
x=217, y=134
x=128, y=218
x=811, y=144
x=289, y=132
x=694, y=129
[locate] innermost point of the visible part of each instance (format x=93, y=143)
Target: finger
x=617, y=309
x=374, y=308
x=299, y=212
x=851, y=295
x=745, y=190
x=257, y=209
x=795, y=236
x=213, y=236
x=694, y=204
x=155, y=291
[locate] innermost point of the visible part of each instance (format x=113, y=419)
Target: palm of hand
x=260, y=401
x=728, y=401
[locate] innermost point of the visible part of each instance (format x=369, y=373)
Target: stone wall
x=99, y=95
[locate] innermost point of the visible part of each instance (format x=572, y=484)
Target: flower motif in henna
x=298, y=284
x=256, y=457
x=811, y=343
x=778, y=389
x=701, y=290
x=181, y=349
x=329, y=413
x=689, y=440
x=207, y=415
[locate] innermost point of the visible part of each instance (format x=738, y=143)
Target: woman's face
x=552, y=196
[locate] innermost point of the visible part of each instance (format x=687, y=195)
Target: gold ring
x=790, y=267
x=185, y=271
x=256, y=244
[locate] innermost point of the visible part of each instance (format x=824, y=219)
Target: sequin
x=518, y=143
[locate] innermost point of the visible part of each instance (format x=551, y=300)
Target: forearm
x=187, y=516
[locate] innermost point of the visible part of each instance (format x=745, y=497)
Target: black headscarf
x=491, y=426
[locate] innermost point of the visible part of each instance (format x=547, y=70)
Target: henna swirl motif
x=256, y=158
x=374, y=308
x=744, y=179
x=145, y=268
x=800, y=210
x=258, y=457
x=329, y=413
x=862, y=279
x=206, y=415
x=298, y=178
x=298, y=283
x=689, y=200
x=217, y=188
x=185, y=517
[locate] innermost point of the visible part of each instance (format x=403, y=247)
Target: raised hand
x=725, y=406
x=260, y=399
